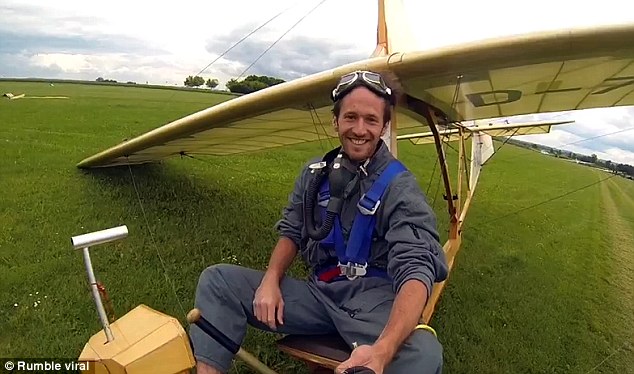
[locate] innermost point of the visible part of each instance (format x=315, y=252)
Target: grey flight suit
x=406, y=243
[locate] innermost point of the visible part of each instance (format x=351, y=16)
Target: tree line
x=593, y=159
x=249, y=84
x=197, y=81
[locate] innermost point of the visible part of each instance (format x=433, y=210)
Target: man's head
x=362, y=111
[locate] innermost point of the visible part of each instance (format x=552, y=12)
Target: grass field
x=549, y=289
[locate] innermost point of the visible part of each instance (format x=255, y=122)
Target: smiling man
x=358, y=218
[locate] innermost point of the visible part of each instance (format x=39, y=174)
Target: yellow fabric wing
x=538, y=73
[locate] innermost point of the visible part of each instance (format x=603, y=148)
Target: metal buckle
x=365, y=211
x=353, y=270
x=316, y=166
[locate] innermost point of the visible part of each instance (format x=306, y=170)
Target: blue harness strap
x=357, y=250
x=360, y=241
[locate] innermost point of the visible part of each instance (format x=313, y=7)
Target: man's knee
x=218, y=272
x=421, y=353
x=215, y=279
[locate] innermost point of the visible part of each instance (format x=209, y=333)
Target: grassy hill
x=543, y=283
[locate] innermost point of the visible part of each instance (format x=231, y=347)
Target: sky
x=164, y=42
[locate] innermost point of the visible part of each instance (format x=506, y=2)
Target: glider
x=440, y=88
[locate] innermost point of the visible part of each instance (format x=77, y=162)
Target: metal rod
x=95, y=295
x=99, y=237
x=84, y=242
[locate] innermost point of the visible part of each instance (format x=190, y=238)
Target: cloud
x=20, y=17
x=13, y=42
x=19, y=65
x=607, y=132
x=290, y=58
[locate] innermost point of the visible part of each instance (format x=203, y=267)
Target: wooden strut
x=452, y=245
x=425, y=110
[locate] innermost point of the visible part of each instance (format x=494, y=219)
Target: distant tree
x=584, y=158
x=269, y=81
x=100, y=79
x=245, y=87
x=594, y=158
x=252, y=83
x=194, y=81
x=625, y=169
x=212, y=83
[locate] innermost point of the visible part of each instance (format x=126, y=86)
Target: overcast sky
x=163, y=42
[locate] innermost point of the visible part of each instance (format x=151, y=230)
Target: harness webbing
x=357, y=249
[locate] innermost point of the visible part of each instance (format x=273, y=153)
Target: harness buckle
x=365, y=211
x=316, y=166
x=353, y=270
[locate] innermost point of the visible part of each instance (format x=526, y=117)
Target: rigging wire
x=147, y=224
x=507, y=139
x=582, y=140
x=245, y=37
x=280, y=38
x=622, y=347
x=239, y=171
x=312, y=107
x=432, y=176
x=240, y=41
x=600, y=136
x=544, y=202
x=321, y=145
x=439, y=177
x=556, y=197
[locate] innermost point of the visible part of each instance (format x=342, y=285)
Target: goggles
x=371, y=80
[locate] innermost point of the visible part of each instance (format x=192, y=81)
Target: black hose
x=309, y=210
x=338, y=178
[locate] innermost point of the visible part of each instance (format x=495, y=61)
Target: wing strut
x=426, y=113
x=424, y=110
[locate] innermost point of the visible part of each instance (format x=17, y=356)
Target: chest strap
x=353, y=255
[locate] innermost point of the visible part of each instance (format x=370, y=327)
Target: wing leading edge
x=538, y=73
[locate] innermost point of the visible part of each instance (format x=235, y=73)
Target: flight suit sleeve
x=292, y=222
x=414, y=249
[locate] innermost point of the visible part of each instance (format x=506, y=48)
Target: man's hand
x=268, y=300
x=268, y=303
x=370, y=356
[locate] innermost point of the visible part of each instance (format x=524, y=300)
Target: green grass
x=546, y=290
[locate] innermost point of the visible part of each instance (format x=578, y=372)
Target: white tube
x=99, y=237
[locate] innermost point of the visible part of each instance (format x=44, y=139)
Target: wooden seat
x=318, y=351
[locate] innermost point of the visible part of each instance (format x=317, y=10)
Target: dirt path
x=618, y=216
x=628, y=194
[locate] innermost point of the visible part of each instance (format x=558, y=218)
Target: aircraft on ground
x=440, y=88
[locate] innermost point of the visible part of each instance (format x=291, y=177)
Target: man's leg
x=362, y=319
x=225, y=298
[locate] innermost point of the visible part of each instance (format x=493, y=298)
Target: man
x=371, y=289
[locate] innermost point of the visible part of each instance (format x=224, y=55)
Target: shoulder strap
x=360, y=241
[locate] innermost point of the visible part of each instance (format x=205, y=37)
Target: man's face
x=360, y=123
